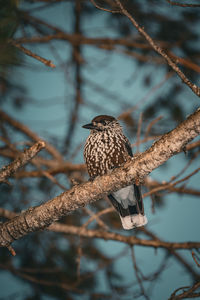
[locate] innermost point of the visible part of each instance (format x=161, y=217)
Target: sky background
x=178, y=220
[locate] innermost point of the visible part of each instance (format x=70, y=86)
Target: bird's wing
x=137, y=189
x=128, y=202
x=128, y=148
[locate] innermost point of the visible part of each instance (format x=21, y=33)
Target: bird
x=107, y=148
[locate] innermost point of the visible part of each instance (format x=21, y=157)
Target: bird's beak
x=89, y=126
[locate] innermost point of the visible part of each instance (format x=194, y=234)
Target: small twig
x=151, y=124
x=92, y=218
x=5, y=213
x=187, y=177
x=137, y=274
x=104, y=9
x=170, y=251
x=139, y=132
x=22, y=128
x=37, y=280
x=186, y=294
x=78, y=259
x=180, y=190
x=19, y=162
x=12, y=251
x=195, y=259
x=159, y=50
x=146, y=139
x=170, y=184
x=146, y=96
x=192, y=145
x=36, y=56
x=48, y=175
x=180, y=173
x=182, y=5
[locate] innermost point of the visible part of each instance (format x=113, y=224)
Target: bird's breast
x=103, y=152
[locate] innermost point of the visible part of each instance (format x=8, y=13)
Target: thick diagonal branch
x=134, y=170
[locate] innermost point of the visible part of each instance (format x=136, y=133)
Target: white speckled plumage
x=103, y=151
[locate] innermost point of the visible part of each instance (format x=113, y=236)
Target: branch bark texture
x=131, y=240
x=23, y=159
x=135, y=170
x=82, y=231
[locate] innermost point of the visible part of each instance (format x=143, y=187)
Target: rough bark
x=135, y=170
x=22, y=159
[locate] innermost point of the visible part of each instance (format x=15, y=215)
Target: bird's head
x=102, y=123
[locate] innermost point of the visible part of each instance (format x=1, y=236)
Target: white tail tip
x=133, y=221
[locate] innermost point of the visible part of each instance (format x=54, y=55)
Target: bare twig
x=193, y=145
x=151, y=184
x=59, y=284
x=182, y=4
x=23, y=159
x=148, y=94
x=21, y=127
x=105, y=9
x=92, y=218
x=159, y=50
x=78, y=259
x=186, y=294
x=7, y=213
x=195, y=259
x=171, y=251
x=137, y=274
x=12, y=251
x=109, y=44
x=139, y=127
x=170, y=184
x=36, y=56
x=151, y=124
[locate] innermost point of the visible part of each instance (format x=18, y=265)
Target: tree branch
x=136, y=169
x=186, y=294
x=107, y=235
x=19, y=162
x=109, y=44
x=36, y=56
x=159, y=50
x=182, y=4
x=21, y=127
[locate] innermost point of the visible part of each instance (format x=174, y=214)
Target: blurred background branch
x=103, y=66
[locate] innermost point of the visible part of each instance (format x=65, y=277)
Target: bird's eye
x=103, y=122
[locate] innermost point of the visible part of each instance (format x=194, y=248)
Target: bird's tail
x=129, y=204
x=133, y=221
